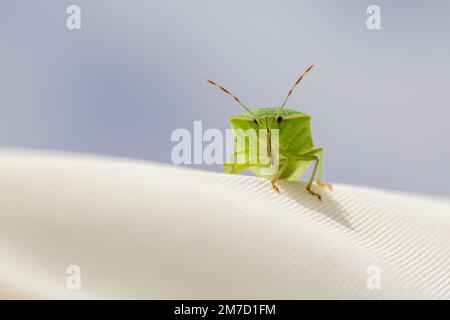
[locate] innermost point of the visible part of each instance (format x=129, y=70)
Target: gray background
x=135, y=72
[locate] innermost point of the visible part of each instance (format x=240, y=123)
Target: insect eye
x=279, y=119
x=255, y=121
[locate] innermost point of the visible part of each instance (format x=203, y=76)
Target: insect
x=296, y=148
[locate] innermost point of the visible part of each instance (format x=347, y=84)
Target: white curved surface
x=143, y=230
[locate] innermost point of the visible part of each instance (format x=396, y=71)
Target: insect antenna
x=298, y=81
x=229, y=93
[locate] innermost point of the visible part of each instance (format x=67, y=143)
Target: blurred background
x=136, y=70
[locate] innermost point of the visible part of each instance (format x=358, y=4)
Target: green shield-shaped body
x=294, y=139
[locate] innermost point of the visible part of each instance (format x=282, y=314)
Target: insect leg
x=233, y=167
x=319, y=177
x=316, y=165
x=308, y=186
x=276, y=176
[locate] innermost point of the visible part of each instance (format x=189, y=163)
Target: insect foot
x=325, y=185
x=315, y=194
x=275, y=187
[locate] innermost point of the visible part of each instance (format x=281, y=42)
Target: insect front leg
x=276, y=176
x=314, y=158
x=308, y=186
x=319, y=178
x=319, y=181
x=232, y=167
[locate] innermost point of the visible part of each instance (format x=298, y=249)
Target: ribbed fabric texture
x=144, y=230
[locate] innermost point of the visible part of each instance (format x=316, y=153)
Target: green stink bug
x=296, y=147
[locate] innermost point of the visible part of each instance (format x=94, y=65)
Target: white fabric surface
x=144, y=230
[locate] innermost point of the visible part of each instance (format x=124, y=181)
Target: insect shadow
x=329, y=206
